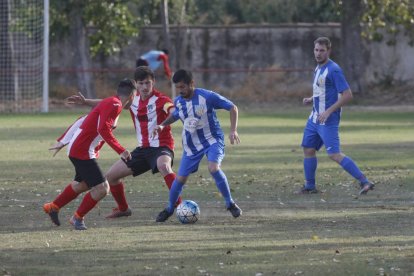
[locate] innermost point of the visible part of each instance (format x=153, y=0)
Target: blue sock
x=309, y=165
x=223, y=186
x=349, y=165
x=175, y=191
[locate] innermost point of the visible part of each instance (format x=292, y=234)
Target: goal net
x=23, y=59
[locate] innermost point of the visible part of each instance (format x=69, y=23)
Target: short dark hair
x=323, y=41
x=165, y=51
x=126, y=87
x=182, y=75
x=143, y=72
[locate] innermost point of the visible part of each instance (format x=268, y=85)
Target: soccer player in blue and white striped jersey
x=202, y=135
x=330, y=92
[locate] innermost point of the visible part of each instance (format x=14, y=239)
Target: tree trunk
x=352, y=47
x=181, y=37
x=80, y=43
x=166, y=28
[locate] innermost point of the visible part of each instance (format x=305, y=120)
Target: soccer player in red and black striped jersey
x=87, y=136
x=149, y=108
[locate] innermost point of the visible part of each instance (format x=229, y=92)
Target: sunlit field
x=336, y=232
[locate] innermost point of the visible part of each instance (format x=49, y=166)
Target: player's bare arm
x=170, y=119
x=307, y=101
x=343, y=100
x=57, y=147
x=234, y=117
x=80, y=99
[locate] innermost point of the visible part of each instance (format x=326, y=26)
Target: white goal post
x=24, y=56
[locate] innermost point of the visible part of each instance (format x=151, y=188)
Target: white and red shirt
x=146, y=115
x=70, y=131
x=96, y=129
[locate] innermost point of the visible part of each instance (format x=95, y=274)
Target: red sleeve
x=167, y=69
x=108, y=113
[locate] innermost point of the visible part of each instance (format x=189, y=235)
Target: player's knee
x=164, y=168
x=79, y=187
x=106, y=187
x=182, y=179
x=100, y=191
x=212, y=168
x=309, y=152
x=337, y=157
x=112, y=180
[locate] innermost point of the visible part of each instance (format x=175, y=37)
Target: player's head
x=184, y=83
x=322, y=49
x=165, y=51
x=145, y=79
x=126, y=91
x=143, y=72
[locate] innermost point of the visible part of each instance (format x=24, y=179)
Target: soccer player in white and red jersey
x=330, y=92
x=156, y=153
x=87, y=137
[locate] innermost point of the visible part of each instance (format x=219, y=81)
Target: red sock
x=65, y=197
x=169, y=179
x=118, y=193
x=86, y=205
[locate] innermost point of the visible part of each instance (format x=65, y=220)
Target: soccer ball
x=188, y=212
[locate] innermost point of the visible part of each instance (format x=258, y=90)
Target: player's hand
x=307, y=101
x=57, y=147
x=156, y=130
x=76, y=99
x=126, y=155
x=234, y=137
x=323, y=117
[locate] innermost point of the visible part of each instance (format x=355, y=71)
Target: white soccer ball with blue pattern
x=188, y=212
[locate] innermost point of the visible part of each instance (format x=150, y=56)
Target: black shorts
x=88, y=171
x=141, y=62
x=145, y=159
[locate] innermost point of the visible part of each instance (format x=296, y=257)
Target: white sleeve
x=67, y=136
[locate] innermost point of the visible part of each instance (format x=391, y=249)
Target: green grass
x=280, y=233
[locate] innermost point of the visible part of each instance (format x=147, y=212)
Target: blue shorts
x=189, y=164
x=315, y=136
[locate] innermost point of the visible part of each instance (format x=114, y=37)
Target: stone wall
x=235, y=58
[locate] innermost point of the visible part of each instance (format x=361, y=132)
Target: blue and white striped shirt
x=328, y=83
x=198, y=114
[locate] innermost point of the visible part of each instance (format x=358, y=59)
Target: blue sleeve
x=220, y=102
x=339, y=81
x=175, y=114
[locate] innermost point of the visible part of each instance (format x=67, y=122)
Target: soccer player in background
x=330, y=92
x=87, y=137
x=153, y=60
x=156, y=153
x=202, y=135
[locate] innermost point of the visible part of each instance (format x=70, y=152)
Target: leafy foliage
x=110, y=23
x=391, y=16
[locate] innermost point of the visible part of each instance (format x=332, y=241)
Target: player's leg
x=310, y=164
x=69, y=193
x=114, y=175
x=332, y=144
x=215, y=155
x=164, y=159
x=89, y=201
x=188, y=165
x=311, y=142
x=90, y=172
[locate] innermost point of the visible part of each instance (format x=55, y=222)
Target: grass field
x=280, y=233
